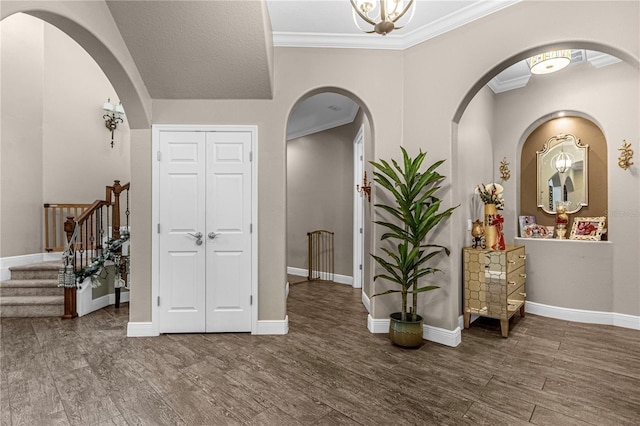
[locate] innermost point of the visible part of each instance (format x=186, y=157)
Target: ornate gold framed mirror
x=562, y=174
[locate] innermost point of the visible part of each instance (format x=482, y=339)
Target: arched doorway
x=329, y=144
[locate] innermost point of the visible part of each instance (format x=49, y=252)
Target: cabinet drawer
x=515, y=300
x=515, y=280
x=515, y=258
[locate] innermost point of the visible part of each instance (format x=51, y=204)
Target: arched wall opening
x=488, y=128
x=321, y=184
x=55, y=147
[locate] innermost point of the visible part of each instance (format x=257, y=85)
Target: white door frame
x=358, y=209
x=155, y=211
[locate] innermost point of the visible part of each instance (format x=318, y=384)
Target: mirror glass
x=563, y=174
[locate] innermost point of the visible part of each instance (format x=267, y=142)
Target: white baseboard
x=337, y=278
x=266, y=327
x=27, y=259
x=443, y=336
x=141, y=329
x=433, y=334
x=580, y=315
x=366, y=301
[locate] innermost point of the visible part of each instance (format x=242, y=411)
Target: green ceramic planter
x=406, y=334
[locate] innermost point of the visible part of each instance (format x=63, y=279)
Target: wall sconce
x=112, y=117
x=624, y=161
x=505, y=173
x=365, y=188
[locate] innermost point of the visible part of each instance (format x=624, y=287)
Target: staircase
x=32, y=291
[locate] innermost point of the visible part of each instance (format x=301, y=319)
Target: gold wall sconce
x=365, y=188
x=112, y=117
x=626, y=154
x=505, y=173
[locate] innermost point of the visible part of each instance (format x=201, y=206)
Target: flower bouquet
x=491, y=194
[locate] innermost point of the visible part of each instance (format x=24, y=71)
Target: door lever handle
x=213, y=235
x=197, y=235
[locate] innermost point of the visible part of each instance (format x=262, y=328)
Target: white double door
x=205, y=231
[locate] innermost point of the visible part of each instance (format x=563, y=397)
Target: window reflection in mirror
x=562, y=174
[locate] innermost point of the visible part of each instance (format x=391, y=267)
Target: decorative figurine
x=562, y=220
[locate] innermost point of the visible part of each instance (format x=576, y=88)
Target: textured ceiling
x=198, y=49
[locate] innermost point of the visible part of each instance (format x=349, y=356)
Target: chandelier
x=383, y=15
x=549, y=62
x=563, y=162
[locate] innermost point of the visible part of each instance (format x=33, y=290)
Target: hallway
x=329, y=370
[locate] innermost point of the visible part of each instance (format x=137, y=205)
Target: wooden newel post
x=117, y=189
x=70, y=309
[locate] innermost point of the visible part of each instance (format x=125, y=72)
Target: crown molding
x=498, y=85
x=395, y=41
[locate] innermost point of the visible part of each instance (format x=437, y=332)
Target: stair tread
x=31, y=300
x=41, y=266
x=29, y=283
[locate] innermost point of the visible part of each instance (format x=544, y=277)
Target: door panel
x=182, y=212
x=229, y=219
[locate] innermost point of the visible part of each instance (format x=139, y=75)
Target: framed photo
x=587, y=228
x=524, y=222
x=537, y=231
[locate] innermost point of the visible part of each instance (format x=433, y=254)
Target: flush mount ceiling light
x=548, y=62
x=383, y=15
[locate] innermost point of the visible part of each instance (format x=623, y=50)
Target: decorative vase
x=490, y=231
x=562, y=219
x=407, y=334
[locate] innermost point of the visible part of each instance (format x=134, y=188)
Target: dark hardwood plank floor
x=329, y=370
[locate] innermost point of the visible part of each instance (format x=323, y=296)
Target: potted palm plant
x=415, y=213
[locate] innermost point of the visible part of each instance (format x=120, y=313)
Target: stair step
x=36, y=271
x=31, y=306
x=30, y=288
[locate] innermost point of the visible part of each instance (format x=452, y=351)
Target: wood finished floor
x=329, y=370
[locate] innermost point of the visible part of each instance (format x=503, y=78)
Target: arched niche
x=589, y=134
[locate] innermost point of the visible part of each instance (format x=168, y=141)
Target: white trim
x=27, y=259
x=141, y=329
x=580, y=315
x=358, y=210
x=433, y=334
x=85, y=304
x=443, y=336
x=267, y=327
x=348, y=117
x=377, y=325
x=297, y=271
x=155, y=208
x=366, y=301
x=397, y=40
x=337, y=278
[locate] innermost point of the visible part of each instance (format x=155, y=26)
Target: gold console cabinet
x=494, y=284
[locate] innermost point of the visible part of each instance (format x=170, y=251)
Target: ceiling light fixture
x=563, y=162
x=383, y=15
x=549, y=62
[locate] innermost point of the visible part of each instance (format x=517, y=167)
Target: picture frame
x=587, y=228
x=524, y=222
x=537, y=231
